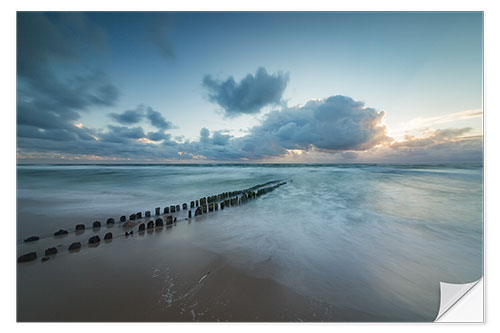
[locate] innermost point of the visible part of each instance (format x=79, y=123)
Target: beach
x=336, y=243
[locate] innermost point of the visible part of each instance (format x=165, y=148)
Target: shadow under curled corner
x=461, y=302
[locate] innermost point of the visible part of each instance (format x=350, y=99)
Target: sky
x=302, y=87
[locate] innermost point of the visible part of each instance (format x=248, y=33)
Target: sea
x=377, y=238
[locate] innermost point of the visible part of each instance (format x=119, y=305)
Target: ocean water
x=375, y=238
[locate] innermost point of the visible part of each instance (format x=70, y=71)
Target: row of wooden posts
x=201, y=206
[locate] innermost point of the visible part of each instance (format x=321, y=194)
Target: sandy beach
x=157, y=276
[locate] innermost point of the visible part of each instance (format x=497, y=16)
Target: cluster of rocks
x=202, y=206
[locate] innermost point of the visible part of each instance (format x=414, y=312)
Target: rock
x=108, y=236
x=60, y=232
x=80, y=227
x=151, y=225
x=27, y=257
x=50, y=251
x=123, y=218
x=157, y=211
x=166, y=210
x=142, y=227
x=94, y=240
x=96, y=225
x=184, y=206
x=159, y=222
x=129, y=224
x=75, y=246
x=110, y=221
x=32, y=239
x=148, y=213
x=44, y=259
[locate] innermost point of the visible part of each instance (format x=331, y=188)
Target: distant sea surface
x=375, y=238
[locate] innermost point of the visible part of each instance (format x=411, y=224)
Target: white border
x=8, y=139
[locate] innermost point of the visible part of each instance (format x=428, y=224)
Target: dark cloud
x=49, y=103
x=142, y=112
x=129, y=117
x=248, y=96
x=157, y=119
x=336, y=124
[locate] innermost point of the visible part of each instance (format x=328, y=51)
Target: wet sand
x=159, y=276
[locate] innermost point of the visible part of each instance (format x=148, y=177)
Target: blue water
x=377, y=238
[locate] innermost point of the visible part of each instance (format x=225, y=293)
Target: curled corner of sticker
x=451, y=295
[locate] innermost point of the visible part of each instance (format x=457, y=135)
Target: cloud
x=129, y=117
x=335, y=124
x=49, y=104
x=142, y=112
x=427, y=122
x=248, y=96
x=157, y=119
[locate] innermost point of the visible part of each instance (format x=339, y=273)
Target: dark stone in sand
x=50, y=251
x=75, y=246
x=142, y=227
x=60, y=232
x=110, y=221
x=148, y=213
x=184, y=206
x=94, y=240
x=166, y=210
x=159, y=222
x=123, y=218
x=32, y=239
x=27, y=257
x=44, y=259
x=80, y=227
x=157, y=210
x=108, y=236
x=151, y=224
x=96, y=225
